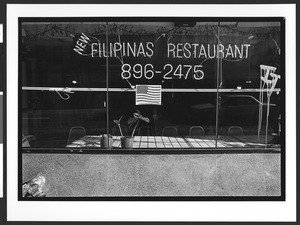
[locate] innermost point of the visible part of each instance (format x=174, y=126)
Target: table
x=156, y=142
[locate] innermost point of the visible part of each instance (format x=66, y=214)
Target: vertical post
x=107, y=83
x=218, y=74
x=267, y=118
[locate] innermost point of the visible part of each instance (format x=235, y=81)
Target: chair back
x=170, y=131
x=145, y=131
x=235, y=130
x=196, y=131
x=76, y=133
x=27, y=140
x=116, y=131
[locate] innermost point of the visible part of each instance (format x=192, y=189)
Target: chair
x=196, y=131
x=145, y=131
x=116, y=131
x=170, y=131
x=235, y=130
x=27, y=139
x=76, y=133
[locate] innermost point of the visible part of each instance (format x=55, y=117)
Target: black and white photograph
x=151, y=107
x=133, y=108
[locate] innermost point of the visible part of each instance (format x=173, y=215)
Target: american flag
x=148, y=95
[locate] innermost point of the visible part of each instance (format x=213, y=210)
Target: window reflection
x=80, y=79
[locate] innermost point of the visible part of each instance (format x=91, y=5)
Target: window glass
x=173, y=84
x=62, y=92
x=249, y=104
x=48, y=119
x=49, y=57
x=168, y=55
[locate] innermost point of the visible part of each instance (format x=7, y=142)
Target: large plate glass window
x=150, y=84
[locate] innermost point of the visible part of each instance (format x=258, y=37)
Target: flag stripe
x=147, y=101
x=150, y=97
x=153, y=100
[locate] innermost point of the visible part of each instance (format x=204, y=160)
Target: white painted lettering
x=149, y=46
x=187, y=52
x=179, y=50
x=171, y=48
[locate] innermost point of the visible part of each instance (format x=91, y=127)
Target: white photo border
x=148, y=210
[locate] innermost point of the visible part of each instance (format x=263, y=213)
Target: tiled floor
x=153, y=142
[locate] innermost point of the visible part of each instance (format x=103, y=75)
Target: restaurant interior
x=150, y=85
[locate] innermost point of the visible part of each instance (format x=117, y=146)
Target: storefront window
x=248, y=106
x=168, y=85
